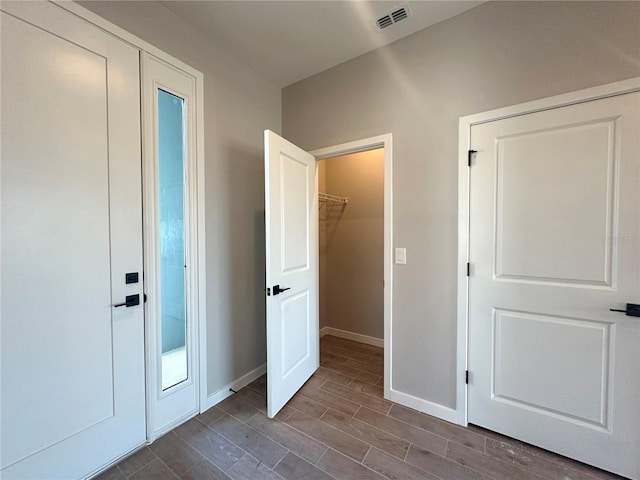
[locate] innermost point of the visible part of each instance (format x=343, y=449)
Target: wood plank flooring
x=339, y=427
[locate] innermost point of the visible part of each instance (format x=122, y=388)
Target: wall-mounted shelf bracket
x=332, y=199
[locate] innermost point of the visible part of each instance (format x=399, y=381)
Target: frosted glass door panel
x=172, y=235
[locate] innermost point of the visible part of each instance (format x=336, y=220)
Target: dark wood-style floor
x=338, y=426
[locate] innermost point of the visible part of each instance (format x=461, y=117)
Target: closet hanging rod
x=325, y=197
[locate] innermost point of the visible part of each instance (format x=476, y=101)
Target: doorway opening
x=355, y=236
x=351, y=247
x=292, y=265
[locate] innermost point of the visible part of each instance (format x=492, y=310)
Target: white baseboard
x=171, y=425
x=117, y=460
x=424, y=406
x=237, y=384
x=356, y=337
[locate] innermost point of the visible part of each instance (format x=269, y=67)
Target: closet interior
x=351, y=244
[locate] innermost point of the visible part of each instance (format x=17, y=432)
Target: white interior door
x=72, y=363
x=291, y=217
x=555, y=226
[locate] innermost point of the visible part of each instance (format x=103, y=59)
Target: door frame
x=151, y=234
x=384, y=141
x=464, y=146
x=198, y=297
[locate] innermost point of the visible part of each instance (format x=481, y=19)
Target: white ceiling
x=287, y=41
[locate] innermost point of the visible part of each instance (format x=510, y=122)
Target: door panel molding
x=523, y=164
x=514, y=336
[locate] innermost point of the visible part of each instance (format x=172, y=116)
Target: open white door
x=291, y=224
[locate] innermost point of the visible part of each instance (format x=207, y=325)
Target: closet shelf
x=332, y=199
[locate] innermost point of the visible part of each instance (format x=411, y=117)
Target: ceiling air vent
x=399, y=14
x=384, y=22
x=393, y=16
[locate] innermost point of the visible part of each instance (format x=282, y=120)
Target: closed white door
x=72, y=361
x=554, y=244
x=291, y=216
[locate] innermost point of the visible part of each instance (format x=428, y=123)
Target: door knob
x=633, y=310
x=277, y=290
x=129, y=301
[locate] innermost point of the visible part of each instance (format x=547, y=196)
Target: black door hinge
x=470, y=154
x=144, y=296
x=466, y=377
x=468, y=269
x=268, y=292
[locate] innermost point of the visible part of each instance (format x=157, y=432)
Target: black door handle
x=277, y=290
x=633, y=310
x=129, y=301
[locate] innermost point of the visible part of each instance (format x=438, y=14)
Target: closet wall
x=352, y=243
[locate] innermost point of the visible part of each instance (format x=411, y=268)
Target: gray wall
x=239, y=105
x=498, y=54
x=351, y=259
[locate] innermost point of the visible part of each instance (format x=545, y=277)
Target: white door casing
x=554, y=226
x=170, y=407
x=384, y=141
x=72, y=365
x=291, y=223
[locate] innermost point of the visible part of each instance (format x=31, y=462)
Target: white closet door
x=72, y=362
x=555, y=219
